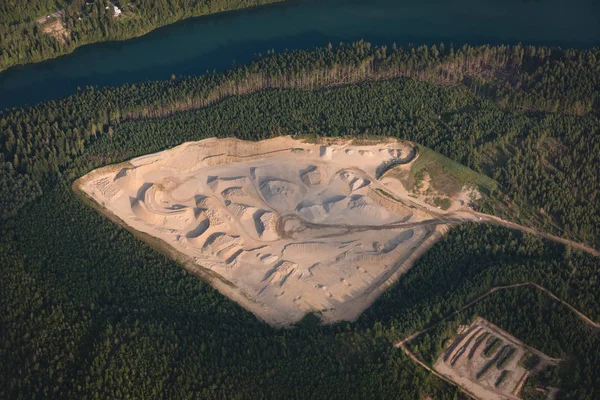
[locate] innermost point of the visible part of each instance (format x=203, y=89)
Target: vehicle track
x=402, y=343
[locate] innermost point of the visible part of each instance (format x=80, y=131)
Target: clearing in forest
x=54, y=26
x=489, y=362
x=283, y=227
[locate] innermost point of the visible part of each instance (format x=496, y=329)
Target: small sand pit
x=489, y=362
x=281, y=226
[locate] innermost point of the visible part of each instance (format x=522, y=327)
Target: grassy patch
x=442, y=202
x=529, y=361
x=503, y=376
x=478, y=342
x=508, y=355
x=492, y=345
x=447, y=177
x=493, y=361
x=388, y=195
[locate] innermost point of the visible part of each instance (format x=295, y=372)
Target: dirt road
x=584, y=318
x=473, y=216
x=422, y=364
x=402, y=344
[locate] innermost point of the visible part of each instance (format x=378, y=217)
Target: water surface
x=196, y=45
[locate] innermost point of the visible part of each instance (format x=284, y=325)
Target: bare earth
x=466, y=363
x=54, y=26
x=285, y=227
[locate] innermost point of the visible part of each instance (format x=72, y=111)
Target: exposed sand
x=54, y=26
x=465, y=363
x=287, y=227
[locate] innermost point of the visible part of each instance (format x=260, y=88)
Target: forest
x=534, y=139
x=87, y=310
x=540, y=322
x=23, y=40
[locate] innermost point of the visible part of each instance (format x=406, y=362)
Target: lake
x=194, y=46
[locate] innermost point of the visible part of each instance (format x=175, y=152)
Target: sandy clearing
x=281, y=226
x=465, y=364
x=471, y=388
x=54, y=26
x=285, y=227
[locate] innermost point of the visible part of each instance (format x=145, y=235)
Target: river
x=194, y=46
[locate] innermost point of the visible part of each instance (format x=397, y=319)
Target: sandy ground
x=464, y=362
x=282, y=226
x=53, y=25
x=286, y=226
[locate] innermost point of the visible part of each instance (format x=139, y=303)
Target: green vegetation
x=386, y=194
x=486, y=368
x=446, y=176
x=508, y=355
x=85, y=304
x=477, y=343
x=493, y=344
x=541, y=161
x=443, y=203
x=23, y=40
x=90, y=311
x=89, y=300
x=498, y=360
x=545, y=379
x=546, y=325
x=503, y=376
x=471, y=260
x=529, y=361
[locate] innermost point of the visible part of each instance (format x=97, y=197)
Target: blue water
x=194, y=46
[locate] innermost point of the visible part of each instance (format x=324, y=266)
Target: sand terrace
x=288, y=227
x=489, y=362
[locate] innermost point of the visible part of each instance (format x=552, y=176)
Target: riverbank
x=216, y=42
x=42, y=37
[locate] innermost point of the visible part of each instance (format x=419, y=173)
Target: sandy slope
x=288, y=227
x=464, y=362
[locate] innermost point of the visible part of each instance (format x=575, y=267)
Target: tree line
x=476, y=116
x=90, y=311
x=23, y=40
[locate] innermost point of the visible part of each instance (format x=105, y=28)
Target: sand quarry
x=490, y=362
x=283, y=227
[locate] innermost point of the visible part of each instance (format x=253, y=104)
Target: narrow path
x=455, y=217
x=584, y=317
x=499, y=221
x=442, y=377
x=402, y=343
x=581, y=315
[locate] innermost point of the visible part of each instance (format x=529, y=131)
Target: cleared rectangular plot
x=489, y=362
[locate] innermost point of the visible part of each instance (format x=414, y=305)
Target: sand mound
x=264, y=224
x=283, y=232
x=353, y=180
x=235, y=191
x=280, y=273
x=312, y=176
x=106, y=188
x=240, y=210
x=282, y=195
x=199, y=230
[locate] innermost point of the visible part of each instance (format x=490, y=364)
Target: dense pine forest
x=26, y=37
x=87, y=310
